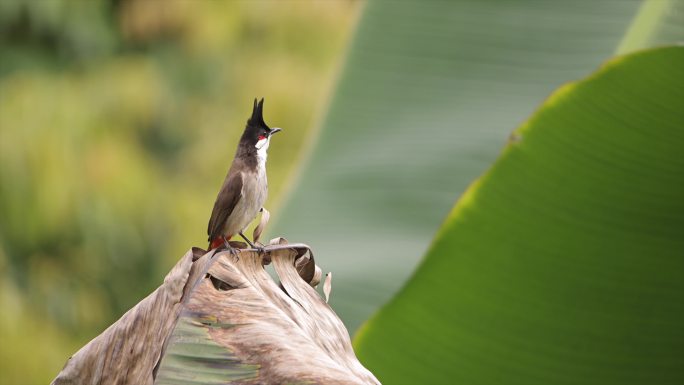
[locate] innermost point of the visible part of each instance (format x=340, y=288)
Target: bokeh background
x=118, y=120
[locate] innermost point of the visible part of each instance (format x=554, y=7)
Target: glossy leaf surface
x=429, y=93
x=562, y=264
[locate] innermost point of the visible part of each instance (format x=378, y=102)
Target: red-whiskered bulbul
x=245, y=188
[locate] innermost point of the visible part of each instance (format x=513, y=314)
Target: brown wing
x=228, y=197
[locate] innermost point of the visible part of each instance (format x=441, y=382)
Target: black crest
x=257, y=118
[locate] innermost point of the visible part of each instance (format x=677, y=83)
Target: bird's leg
x=247, y=240
x=258, y=248
x=230, y=248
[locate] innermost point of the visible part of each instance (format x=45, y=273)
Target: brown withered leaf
x=327, y=286
x=220, y=319
x=265, y=216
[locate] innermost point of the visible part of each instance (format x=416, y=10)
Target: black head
x=256, y=128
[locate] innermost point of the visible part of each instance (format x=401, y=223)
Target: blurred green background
x=118, y=120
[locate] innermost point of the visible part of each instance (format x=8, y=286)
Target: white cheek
x=261, y=143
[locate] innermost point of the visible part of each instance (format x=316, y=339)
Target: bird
x=245, y=187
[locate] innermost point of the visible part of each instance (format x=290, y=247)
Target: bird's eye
x=262, y=137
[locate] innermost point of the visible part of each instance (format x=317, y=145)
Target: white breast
x=254, y=193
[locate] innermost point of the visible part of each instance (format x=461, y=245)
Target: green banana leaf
x=428, y=95
x=563, y=264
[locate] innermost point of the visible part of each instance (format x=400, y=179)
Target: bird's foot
x=233, y=251
x=260, y=247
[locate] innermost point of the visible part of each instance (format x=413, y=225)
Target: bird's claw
x=258, y=246
x=233, y=251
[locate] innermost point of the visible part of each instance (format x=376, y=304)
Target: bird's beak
x=274, y=130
